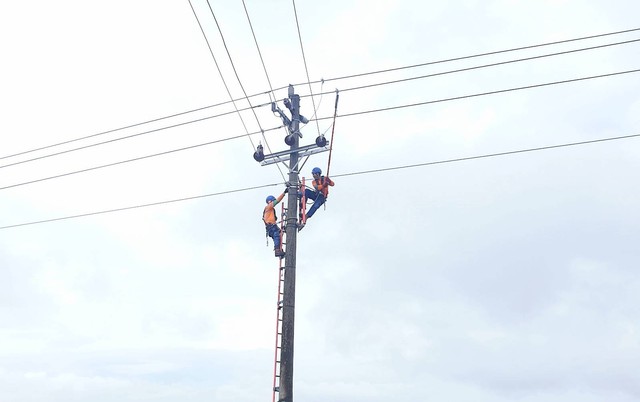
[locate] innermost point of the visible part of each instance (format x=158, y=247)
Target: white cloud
x=491, y=279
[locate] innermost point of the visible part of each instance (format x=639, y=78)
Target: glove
x=286, y=190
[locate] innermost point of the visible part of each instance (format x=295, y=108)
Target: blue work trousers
x=318, y=200
x=274, y=232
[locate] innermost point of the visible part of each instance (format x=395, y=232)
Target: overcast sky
x=505, y=278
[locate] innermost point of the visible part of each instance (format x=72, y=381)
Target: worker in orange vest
x=270, y=221
x=318, y=194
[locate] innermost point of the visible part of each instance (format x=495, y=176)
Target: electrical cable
x=132, y=160
x=128, y=137
x=480, y=94
x=255, y=40
x=233, y=66
x=329, y=79
x=472, y=56
x=332, y=117
x=304, y=59
x=220, y=71
x=324, y=93
x=469, y=158
x=480, y=66
x=111, y=131
x=143, y=205
x=264, y=68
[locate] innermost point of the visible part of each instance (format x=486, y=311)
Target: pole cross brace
x=283, y=156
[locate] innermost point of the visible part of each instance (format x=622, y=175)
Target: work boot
x=279, y=253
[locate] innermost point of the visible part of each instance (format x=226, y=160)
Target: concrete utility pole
x=284, y=387
x=289, y=297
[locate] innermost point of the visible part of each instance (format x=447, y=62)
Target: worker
x=318, y=194
x=270, y=221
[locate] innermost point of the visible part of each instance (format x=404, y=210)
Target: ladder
x=280, y=305
x=280, y=301
x=303, y=203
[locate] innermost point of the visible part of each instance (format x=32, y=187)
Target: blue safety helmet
x=316, y=170
x=270, y=199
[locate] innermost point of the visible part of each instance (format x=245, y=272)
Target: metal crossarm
x=284, y=156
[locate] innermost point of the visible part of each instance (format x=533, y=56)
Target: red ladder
x=280, y=304
x=303, y=203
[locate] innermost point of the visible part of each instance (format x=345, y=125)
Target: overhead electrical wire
x=264, y=67
x=304, y=59
x=127, y=137
x=469, y=158
x=481, y=94
x=515, y=49
x=325, y=93
x=331, y=117
x=255, y=40
x=233, y=66
x=220, y=72
x=112, y=131
x=481, y=66
x=371, y=171
x=325, y=80
x=131, y=160
x=143, y=205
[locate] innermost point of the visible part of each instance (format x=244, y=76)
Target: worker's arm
x=280, y=197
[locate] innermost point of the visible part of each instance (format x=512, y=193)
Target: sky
x=480, y=273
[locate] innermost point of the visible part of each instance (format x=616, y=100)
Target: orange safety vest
x=322, y=185
x=269, y=214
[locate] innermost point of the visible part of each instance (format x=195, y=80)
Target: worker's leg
x=319, y=200
x=274, y=233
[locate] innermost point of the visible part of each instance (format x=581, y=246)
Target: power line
x=220, y=71
x=472, y=56
x=127, y=137
x=324, y=93
x=331, y=117
x=468, y=158
x=111, y=131
x=141, y=205
x=264, y=67
x=233, y=66
x=482, y=66
x=131, y=160
x=481, y=94
x=309, y=82
x=304, y=59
